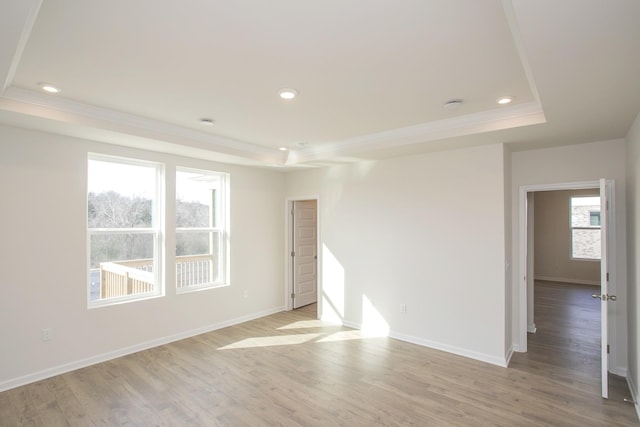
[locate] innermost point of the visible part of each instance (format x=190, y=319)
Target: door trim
x=288, y=265
x=521, y=281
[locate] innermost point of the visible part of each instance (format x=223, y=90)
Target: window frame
x=221, y=227
x=156, y=231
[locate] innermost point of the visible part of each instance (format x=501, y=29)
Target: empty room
x=319, y=213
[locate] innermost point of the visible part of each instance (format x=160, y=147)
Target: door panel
x=305, y=263
x=604, y=286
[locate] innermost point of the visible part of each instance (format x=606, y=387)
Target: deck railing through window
x=129, y=277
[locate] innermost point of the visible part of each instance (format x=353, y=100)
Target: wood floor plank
x=290, y=369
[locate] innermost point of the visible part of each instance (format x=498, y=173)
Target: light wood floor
x=291, y=370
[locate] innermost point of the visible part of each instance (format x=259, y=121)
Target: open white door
x=604, y=286
x=305, y=260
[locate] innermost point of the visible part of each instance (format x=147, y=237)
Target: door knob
x=612, y=297
x=596, y=296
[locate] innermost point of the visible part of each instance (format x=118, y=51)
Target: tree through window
x=123, y=229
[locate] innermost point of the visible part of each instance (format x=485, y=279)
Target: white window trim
x=156, y=229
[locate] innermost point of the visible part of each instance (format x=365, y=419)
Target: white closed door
x=305, y=260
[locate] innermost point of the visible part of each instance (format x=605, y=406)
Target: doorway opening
x=302, y=255
x=606, y=279
x=563, y=320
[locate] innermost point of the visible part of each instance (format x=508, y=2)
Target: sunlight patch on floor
x=271, y=341
x=303, y=324
x=343, y=336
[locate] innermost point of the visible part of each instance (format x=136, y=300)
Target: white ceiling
x=372, y=75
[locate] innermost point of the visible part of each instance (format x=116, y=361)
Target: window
x=124, y=229
x=201, y=229
x=585, y=228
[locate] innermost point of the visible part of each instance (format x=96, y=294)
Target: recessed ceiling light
x=287, y=93
x=47, y=87
x=283, y=148
x=452, y=104
x=206, y=122
x=504, y=100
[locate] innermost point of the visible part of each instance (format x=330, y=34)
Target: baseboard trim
x=83, y=363
x=634, y=393
x=621, y=372
x=567, y=280
x=509, y=355
x=482, y=357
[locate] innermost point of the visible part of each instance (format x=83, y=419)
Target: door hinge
x=607, y=277
x=607, y=348
x=293, y=253
x=293, y=295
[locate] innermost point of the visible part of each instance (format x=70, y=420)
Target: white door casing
x=305, y=263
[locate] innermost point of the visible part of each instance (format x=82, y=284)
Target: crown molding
x=492, y=120
x=124, y=124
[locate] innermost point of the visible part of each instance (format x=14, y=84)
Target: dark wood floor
x=567, y=339
x=566, y=347
x=291, y=370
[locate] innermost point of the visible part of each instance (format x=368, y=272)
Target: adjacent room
x=319, y=213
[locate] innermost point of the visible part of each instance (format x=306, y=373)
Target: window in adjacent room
x=585, y=228
x=124, y=229
x=201, y=229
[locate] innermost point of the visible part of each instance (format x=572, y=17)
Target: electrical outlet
x=47, y=334
x=403, y=308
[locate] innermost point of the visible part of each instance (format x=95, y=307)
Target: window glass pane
x=121, y=265
x=120, y=195
x=195, y=243
x=585, y=227
x=196, y=199
x=586, y=243
x=197, y=258
x=581, y=208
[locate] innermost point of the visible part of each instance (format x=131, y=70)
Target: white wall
x=43, y=253
x=552, y=239
x=633, y=253
x=427, y=231
x=579, y=163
